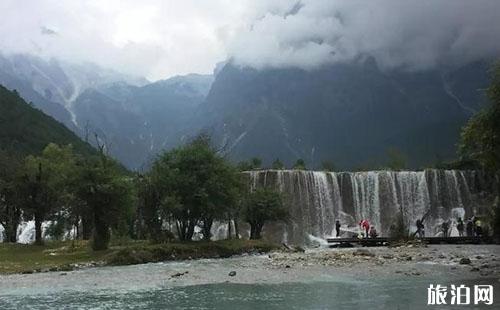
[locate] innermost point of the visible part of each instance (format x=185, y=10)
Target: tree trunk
x=229, y=230
x=101, y=236
x=190, y=231
x=236, y=229
x=38, y=228
x=10, y=232
x=207, y=227
x=86, y=228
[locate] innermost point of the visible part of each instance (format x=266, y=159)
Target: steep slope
x=139, y=122
x=26, y=130
x=350, y=113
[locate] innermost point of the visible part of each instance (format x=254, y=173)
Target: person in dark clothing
x=373, y=232
x=470, y=228
x=460, y=227
x=420, y=228
x=337, y=228
x=445, y=227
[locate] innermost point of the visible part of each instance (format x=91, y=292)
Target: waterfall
x=317, y=199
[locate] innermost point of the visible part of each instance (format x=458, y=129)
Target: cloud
x=47, y=31
x=152, y=38
x=161, y=38
x=410, y=34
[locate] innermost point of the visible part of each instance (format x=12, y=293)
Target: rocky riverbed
x=448, y=262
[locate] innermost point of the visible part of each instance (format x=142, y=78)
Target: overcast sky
x=161, y=38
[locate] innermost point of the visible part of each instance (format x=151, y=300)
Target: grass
x=61, y=256
x=18, y=258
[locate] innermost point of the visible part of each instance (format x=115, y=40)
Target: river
x=260, y=283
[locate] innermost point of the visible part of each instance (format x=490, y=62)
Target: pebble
x=232, y=273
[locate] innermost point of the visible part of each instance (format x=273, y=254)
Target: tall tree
x=277, y=164
x=480, y=140
x=261, y=206
x=327, y=165
x=44, y=184
x=198, y=186
x=10, y=208
x=300, y=164
x=108, y=196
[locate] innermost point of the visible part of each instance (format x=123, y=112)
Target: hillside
x=26, y=130
x=350, y=114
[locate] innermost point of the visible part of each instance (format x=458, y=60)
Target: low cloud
x=410, y=34
x=161, y=38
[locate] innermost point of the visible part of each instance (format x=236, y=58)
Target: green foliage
x=254, y=164
x=261, y=206
x=196, y=185
x=25, y=130
x=189, y=250
x=10, y=208
x=480, y=138
x=300, y=164
x=277, y=164
x=397, y=160
x=44, y=184
x=108, y=196
x=327, y=165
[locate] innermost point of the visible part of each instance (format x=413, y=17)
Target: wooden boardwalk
x=386, y=240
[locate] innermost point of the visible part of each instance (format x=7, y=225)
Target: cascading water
x=317, y=199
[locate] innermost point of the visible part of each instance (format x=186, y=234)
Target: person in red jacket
x=365, y=225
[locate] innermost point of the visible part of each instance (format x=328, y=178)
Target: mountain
x=27, y=130
x=135, y=118
x=52, y=85
x=350, y=114
x=139, y=122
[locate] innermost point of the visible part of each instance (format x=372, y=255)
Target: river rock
x=232, y=273
x=465, y=261
x=363, y=252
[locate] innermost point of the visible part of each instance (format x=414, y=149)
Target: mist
x=158, y=39
x=412, y=35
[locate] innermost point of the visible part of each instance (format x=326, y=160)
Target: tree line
x=187, y=188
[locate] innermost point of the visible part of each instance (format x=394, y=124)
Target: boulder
x=465, y=261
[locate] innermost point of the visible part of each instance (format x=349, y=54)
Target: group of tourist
x=473, y=228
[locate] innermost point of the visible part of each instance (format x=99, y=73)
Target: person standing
x=444, y=227
x=460, y=227
x=365, y=225
x=337, y=228
x=420, y=228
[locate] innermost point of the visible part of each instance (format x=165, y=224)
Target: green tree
x=44, y=184
x=277, y=164
x=10, y=208
x=480, y=139
x=327, y=165
x=108, y=196
x=256, y=163
x=397, y=160
x=244, y=166
x=198, y=186
x=261, y=206
x=300, y=164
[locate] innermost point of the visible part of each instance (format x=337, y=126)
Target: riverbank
x=69, y=255
x=348, y=278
